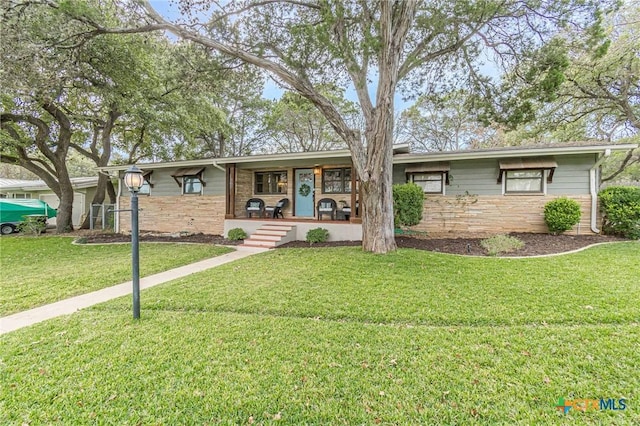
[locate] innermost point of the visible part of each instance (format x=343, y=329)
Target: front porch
x=339, y=230
x=299, y=194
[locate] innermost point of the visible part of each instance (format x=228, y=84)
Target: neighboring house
x=475, y=191
x=84, y=189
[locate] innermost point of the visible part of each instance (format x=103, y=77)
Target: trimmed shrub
x=621, y=211
x=408, y=202
x=501, y=244
x=236, y=234
x=317, y=235
x=561, y=215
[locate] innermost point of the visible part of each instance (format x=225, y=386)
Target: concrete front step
x=263, y=231
x=269, y=236
x=261, y=237
x=270, y=227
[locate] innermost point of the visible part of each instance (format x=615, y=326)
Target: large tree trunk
x=377, y=215
x=103, y=186
x=377, y=191
x=64, y=219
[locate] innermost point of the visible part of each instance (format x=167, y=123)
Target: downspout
x=116, y=218
x=226, y=190
x=593, y=189
x=218, y=166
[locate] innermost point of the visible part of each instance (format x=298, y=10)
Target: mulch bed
x=534, y=244
x=104, y=238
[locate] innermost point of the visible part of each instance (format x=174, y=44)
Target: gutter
x=593, y=189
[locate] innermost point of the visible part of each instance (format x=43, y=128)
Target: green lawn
x=337, y=336
x=41, y=270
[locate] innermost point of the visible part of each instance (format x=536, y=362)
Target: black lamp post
x=133, y=179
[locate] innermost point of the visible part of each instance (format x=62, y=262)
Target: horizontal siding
x=473, y=176
x=165, y=186
x=572, y=175
x=399, y=176
x=480, y=177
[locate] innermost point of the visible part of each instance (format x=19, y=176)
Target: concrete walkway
x=71, y=305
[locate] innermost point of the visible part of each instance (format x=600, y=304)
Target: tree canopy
x=375, y=48
x=138, y=96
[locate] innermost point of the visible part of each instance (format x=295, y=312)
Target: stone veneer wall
x=178, y=213
x=485, y=215
x=244, y=191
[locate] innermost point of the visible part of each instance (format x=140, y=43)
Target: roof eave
x=523, y=152
x=399, y=158
x=343, y=153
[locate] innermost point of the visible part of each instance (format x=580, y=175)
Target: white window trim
x=545, y=174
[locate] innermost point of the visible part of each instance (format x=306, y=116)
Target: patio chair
x=327, y=206
x=345, y=212
x=276, y=211
x=255, y=206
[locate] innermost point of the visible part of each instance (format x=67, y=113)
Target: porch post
x=230, y=191
x=355, y=214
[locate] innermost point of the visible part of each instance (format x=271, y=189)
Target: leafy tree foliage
x=445, y=122
x=295, y=125
x=583, y=84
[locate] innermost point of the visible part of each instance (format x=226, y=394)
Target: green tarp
x=15, y=210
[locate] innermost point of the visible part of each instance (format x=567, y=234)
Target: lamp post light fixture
x=134, y=180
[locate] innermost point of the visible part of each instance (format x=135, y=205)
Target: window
x=336, y=181
x=526, y=175
x=431, y=183
x=270, y=183
x=21, y=196
x=524, y=182
x=191, y=185
x=189, y=179
x=430, y=176
x=145, y=189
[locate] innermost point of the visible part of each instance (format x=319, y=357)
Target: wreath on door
x=304, y=190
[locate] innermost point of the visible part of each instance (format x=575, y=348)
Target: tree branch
x=626, y=162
